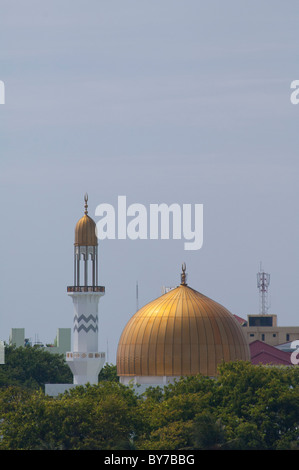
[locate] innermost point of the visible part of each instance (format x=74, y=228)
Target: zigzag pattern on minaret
x=86, y=329
x=86, y=319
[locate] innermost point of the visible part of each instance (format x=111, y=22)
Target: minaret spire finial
x=183, y=275
x=86, y=205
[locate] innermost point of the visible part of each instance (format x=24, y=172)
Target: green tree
x=244, y=407
x=208, y=433
x=109, y=372
x=259, y=405
x=168, y=418
x=32, y=367
x=103, y=416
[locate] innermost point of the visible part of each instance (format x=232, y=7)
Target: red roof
x=263, y=353
x=240, y=320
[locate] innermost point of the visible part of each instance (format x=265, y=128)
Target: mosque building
x=181, y=333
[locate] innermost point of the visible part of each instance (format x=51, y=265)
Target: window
x=287, y=337
x=251, y=334
x=263, y=337
x=261, y=321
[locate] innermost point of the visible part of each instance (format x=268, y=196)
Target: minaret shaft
x=85, y=327
x=85, y=361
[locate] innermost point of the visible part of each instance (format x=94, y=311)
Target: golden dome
x=85, y=231
x=180, y=333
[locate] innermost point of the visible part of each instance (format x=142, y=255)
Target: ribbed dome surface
x=85, y=232
x=181, y=333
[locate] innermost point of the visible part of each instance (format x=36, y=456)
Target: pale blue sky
x=161, y=101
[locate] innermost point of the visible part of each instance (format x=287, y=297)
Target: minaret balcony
x=86, y=289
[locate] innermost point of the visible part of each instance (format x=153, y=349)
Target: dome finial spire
x=86, y=205
x=183, y=275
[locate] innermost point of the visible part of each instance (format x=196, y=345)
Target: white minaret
x=85, y=361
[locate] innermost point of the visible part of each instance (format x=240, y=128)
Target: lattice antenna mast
x=263, y=281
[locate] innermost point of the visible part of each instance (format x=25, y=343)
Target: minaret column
x=85, y=360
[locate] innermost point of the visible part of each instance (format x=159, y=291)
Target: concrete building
x=61, y=344
x=265, y=328
x=17, y=337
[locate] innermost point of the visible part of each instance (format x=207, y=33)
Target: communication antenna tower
x=263, y=281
